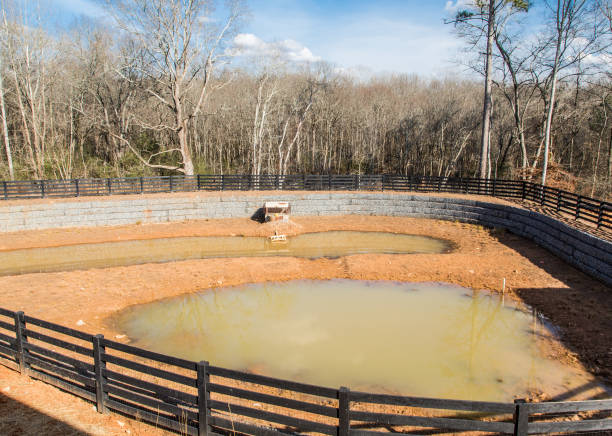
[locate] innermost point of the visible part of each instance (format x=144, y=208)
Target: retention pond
x=309, y=245
x=422, y=339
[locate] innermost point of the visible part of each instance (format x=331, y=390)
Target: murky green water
x=309, y=245
x=416, y=339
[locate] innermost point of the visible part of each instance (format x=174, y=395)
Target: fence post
x=170, y=185
x=521, y=417
x=42, y=189
x=109, y=184
x=329, y=182
x=99, y=368
x=21, y=340
x=141, y=185
x=277, y=182
x=76, y=187
x=344, y=405
x=5, y=190
x=600, y=214
x=494, y=186
x=558, y=200
x=203, y=398
x=578, y=204
x=524, y=191
x=222, y=182
x=542, y=194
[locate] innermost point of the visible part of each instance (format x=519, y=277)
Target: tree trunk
x=7, y=144
x=487, y=105
x=610, y=159
x=187, y=160
x=549, y=117
x=181, y=122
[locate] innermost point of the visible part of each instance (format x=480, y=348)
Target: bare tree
x=573, y=37
x=7, y=144
x=515, y=81
x=181, y=45
x=474, y=22
x=27, y=49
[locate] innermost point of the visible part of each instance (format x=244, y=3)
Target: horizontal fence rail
x=196, y=398
x=582, y=208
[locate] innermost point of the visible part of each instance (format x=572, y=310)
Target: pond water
x=309, y=245
x=422, y=339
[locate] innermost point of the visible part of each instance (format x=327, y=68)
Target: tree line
x=153, y=91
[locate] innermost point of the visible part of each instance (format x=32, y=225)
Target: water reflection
x=309, y=245
x=417, y=339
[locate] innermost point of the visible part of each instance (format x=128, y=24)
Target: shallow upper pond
x=416, y=339
x=310, y=245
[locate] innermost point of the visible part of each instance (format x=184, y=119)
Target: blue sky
x=365, y=36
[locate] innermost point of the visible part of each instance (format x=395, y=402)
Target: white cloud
x=82, y=7
x=247, y=44
x=452, y=7
x=360, y=73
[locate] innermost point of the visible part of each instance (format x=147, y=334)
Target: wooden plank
x=570, y=406
x=8, y=351
x=237, y=426
x=300, y=424
x=353, y=432
x=20, y=341
x=115, y=377
x=59, y=343
x=274, y=382
x=67, y=366
x=344, y=406
x=162, y=358
x=203, y=381
x=7, y=313
x=70, y=375
x=430, y=422
x=150, y=402
x=11, y=364
x=58, y=328
x=59, y=357
x=432, y=403
x=155, y=419
x=7, y=339
x=99, y=367
x=274, y=400
x=146, y=369
x=59, y=383
x=521, y=417
x=570, y=426
x=7, y=326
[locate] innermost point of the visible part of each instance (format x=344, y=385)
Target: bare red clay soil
x=577, y=304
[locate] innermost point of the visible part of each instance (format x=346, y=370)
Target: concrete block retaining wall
x=587, y=252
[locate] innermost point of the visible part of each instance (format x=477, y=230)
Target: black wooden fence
x=196, y=398
x=579, y=207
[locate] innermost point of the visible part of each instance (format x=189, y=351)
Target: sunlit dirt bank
x=576, y=304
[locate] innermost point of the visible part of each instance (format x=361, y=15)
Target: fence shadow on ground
x=580, y=309
x=18, y=419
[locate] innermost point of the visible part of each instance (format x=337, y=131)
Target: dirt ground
x=579, y=306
